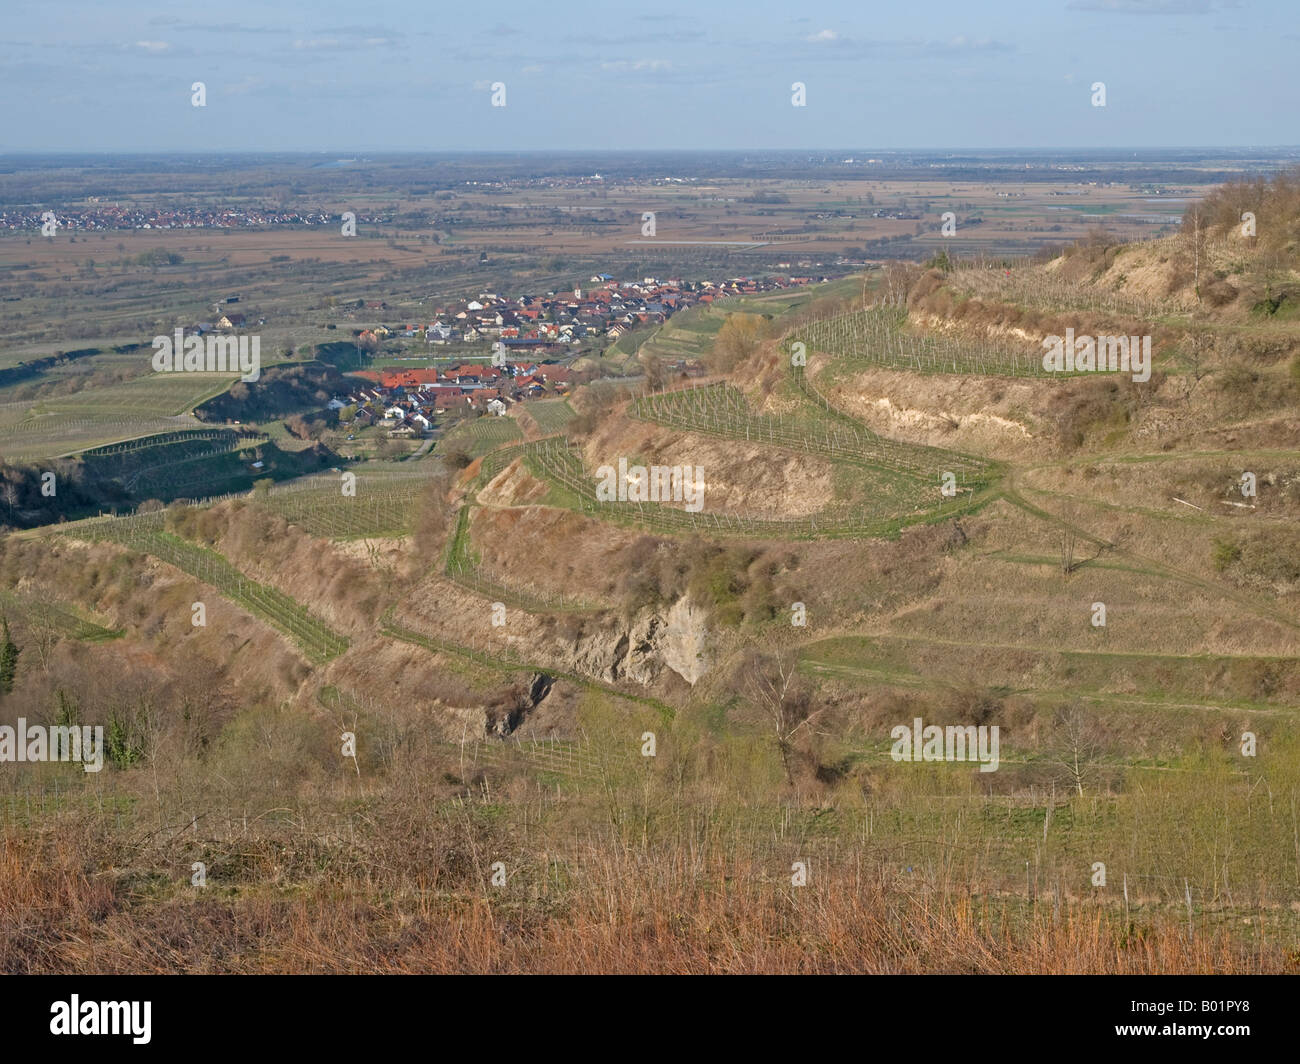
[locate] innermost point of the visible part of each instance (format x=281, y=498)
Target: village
x=529, y=346
x=558, y=320
x=407, y=402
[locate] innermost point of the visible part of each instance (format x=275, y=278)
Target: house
x=496, y=406
x=409, y=378
x=450, y=399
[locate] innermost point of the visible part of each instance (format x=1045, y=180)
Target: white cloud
x=823, y=35
x=637, y=64
x=154, y=47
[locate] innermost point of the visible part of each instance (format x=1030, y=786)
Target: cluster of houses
x=605, y=308
x=406, y=402
x=101, y=217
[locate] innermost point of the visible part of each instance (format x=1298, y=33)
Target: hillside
x=904, y=516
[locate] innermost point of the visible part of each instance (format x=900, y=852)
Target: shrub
x=1224, y=554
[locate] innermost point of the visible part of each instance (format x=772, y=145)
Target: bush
x=1224, y=554
x=736, y=341
x=456, y=458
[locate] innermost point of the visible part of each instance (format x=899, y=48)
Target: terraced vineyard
x=549, y=758
x=551, y=415
x=878, y=337
x=154, y=394
x=687, y=334
x=481, y=435
x=176, y=464
x=66, y=424
x=497, y=460
x=39, y=613
x=722, y=410
x=128, y=447
x=145, y=533
x=385, y=504
x=555, y=460
x=1033, y=286
x=26, y=438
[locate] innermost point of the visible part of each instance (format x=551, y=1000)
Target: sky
x=417, y=75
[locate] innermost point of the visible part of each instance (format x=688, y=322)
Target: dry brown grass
x=614, y=911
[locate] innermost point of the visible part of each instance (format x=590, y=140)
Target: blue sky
x=392, y=75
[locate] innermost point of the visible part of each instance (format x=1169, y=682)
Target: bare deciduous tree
x=1078, y=744
x=43, y=632
x=1069, y=538
x=773, y=683
x=1192, y=355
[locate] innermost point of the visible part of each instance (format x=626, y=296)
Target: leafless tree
x=1069, y=538
x=43, y=632
x=657, y=374
x=1196, y=254
x=1078, y=744
x=773, y=683
x=1192, y=355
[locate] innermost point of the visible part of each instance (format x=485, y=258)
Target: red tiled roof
x=408, y=378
